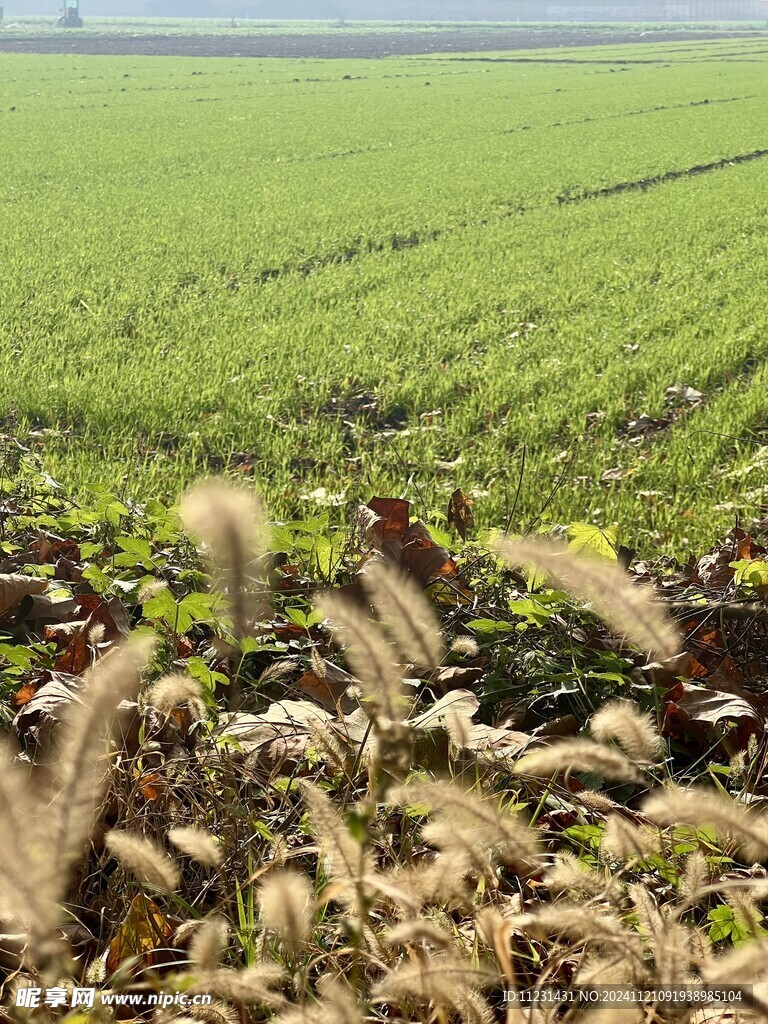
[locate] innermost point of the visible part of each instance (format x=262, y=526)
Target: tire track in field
x=660, y=179
x=745, y=56
x=397, y=243
x=626, y=113
x=616, y=62
x=387, y=146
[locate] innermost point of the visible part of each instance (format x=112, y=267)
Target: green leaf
x=304, y=619
x=17, y=655
x=722, y=923
x=491, y=626
x=531, y=611
x=263, y=830
x=209, y=680
x=282, y=539
x=98, y=579
x=357, y=825
x=534, y=578
x=161, y=606
x=589, y=836
x=135, y=546
x=750, y=573
x=115, y=511
x=588, y=539
x=202, y=607
x=440, y=537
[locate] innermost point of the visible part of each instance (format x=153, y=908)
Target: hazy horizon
x=672, y=11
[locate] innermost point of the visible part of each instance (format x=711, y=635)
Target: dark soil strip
x=561, y=60
x=744, y=56
x=347, y=46
x=398, y=242
x=626, y=113
x=661, y=179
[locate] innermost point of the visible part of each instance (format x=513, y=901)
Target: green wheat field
x=540, y=277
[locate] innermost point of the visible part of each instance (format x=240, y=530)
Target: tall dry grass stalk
x=287, y=907
x=623, y=606
x=50, y=813
x=697, y=806
x=406, y=613
x=228, y=524
x=473, y=826
x=372, y=661
x=349, y=865
x=253, y=986
x=447, y=982
x=582, y=755
x=368, y=657
x=335, y=1005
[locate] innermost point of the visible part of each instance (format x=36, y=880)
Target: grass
x=382, y=855
x=344, y=281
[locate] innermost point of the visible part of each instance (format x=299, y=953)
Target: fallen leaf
x=278, y=738
x=458, y=702
x=500, y=741
x=34, y=722
x=150, y=785
x=13, y=587
x=424, y=559
x=709, y=714
x=144, y=930
x=454, y=677
x=460, y=513
x=24, y=695
x=384, y=523
x=328, y=689
x=682, y=394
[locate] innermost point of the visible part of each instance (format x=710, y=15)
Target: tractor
x=70, y=15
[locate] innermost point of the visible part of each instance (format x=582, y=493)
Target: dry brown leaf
x=709, y=714
x=460, y=513
x=144, y=929
x=14, y=587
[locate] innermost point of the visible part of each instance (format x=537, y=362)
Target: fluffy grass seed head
x=406, y=613
x=207, y=945
x=259, y=984
x=471, y=826
x=347, y=862
x=368, y=656
x=635, y=732
x=198, y=844
x=174, y=690
x=226, y=520
x=144, y=859
x=580, y=755
x=627, y=842
x=465, y=646
x=570, y=875
x=287, y=907
x=698, y=806
x=623, y=606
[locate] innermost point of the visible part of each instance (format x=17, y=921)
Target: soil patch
x=349, y=46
